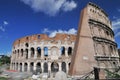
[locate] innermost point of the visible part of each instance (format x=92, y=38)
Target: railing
x=87, y=76
x=106, y=58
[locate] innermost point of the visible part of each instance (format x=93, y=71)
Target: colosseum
x=42, y=53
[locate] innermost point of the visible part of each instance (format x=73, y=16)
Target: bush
x=3, y=78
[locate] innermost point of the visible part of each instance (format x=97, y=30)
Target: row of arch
x=54, y=67
x=101, y=32
x=103, y=48
x=20, y=52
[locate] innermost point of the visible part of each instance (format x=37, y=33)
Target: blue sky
x=19, y=18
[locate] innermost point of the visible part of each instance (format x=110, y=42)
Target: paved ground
x=17, y=75
x=13, y=75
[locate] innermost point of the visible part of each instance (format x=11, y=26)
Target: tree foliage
x=4, y=60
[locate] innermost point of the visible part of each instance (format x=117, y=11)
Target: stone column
x=23, y=67
x=48, y=51
x=11, y=66
x=18, y=66
x=42, y=66
x=35, y=67
x=15, y=66
x=29, y=53
x=59, y=66
x=24, y=54
x=35, y=55
x=14, y=57
x=49, y=67
x=66, y=52
x=28, y=67
x=42, y=52
x=67, y=68
x=59, y=52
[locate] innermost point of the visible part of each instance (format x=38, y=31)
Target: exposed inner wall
x=43, y=54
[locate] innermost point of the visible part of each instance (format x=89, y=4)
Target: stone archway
x=38, y=67
x=54, y=67
x=62, y=51
x=31, y=66
x=64, y=66
x=16, y=66
x=38, y=52
x=70, y=51
x=20, y=67
x=69, y=65
x=26, y=51
x=45, y=67
x=32, y=52
x=25, y=67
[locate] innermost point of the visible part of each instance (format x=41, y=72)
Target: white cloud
x=117, y=34
x=116, y=24
x=46, y=30
x=116, y=27
x=68, y=6
x=52, y=33
x=2, y=28
x=118, y=10
x=5, y=22
x=50, y=7
x=7, y=53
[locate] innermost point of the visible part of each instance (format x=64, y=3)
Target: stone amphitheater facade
x=42, y=54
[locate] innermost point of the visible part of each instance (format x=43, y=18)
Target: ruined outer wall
x=95, y=46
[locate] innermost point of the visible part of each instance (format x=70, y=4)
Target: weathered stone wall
x=42, y=53
x=95, y=46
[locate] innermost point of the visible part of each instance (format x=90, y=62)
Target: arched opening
x=62, y=51
x=38, y=36
x=21, y=52
x=54, y=67
x=18, y=52
x=32, y=52
x=38, y=67
x=31, y=66
x=111, y=49
x=70, y=51
x=45, y=67
x=69, y=65
x=64, y=66
x=20, y=67
x=26, y=51
x=45, y=51
x=38, y=52
x=107, y=33
x=15, y=54
x=25, y=67
x=16, y=66
x=26, y=45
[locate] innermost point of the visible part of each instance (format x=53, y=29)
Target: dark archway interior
x=62, y=50
x=38, y=68
x=54, y=67
x=64, y=66
x=38, y=52
x=25, y=66
x=31, y=67
x=45, y=67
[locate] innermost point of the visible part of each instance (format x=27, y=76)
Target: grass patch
x=3, y=78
